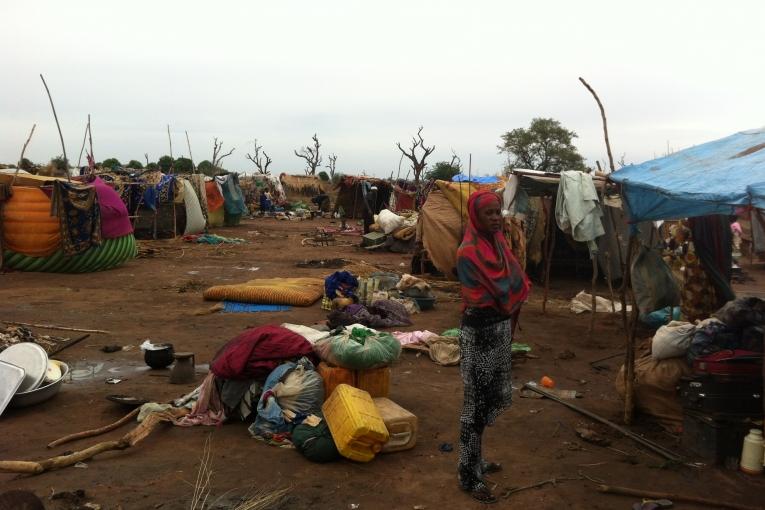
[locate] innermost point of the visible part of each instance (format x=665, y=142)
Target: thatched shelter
x=350, y=195
x=303, y=186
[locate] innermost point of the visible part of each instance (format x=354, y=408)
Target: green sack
x=362, y=348
x=315, y=443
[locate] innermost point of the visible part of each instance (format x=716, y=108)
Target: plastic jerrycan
x=401, y=425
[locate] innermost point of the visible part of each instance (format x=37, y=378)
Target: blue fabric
x=270, y=418
x=712, y=178
x=232, y=194
x=757, y=192
x=486, y=179
x=342, y=280
x=237, y=307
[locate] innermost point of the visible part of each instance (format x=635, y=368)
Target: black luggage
x=715, y=439
x=722, y=395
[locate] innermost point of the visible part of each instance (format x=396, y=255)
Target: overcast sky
x=364, y=75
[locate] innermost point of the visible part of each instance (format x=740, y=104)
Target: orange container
x=375, y=381
x=334, y=376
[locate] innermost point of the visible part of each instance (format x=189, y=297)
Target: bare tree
x=332, y=166
x=262, y=167
x=456, y=162
x=418, y=163
x=311, y=156
x=217, y=153
x=146, y=155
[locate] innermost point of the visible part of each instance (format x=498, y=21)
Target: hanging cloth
x=79, y=214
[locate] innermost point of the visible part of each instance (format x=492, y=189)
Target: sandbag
x=655, y=388
x=389, y=221
x=359, y=348
x=672, y=340
x=315, y=443
x=652, y=282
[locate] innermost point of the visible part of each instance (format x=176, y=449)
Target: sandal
x=490, y=467
x=483, y=494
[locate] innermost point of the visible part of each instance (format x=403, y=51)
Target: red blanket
x=254, y=353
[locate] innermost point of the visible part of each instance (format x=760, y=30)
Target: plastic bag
x=359, y=348
x=652, y=282
x=672, y=340
x=389, y=221
x=301, y=391
x=315, y=443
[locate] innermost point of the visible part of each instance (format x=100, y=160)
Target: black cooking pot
x=159, y=358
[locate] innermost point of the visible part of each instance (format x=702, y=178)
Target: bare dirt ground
x=157, y=298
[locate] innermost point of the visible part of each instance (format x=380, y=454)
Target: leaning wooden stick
x=23, y=150
x=68, y=344
x=63, y=147
x=130, y=439
x=640, y=493
x=53, y=326
x=96, y=432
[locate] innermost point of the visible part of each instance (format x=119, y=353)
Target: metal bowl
x=42, y=393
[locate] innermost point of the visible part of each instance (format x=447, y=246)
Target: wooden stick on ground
x=654, y=447
x=96, y=432
x=68, y=344
x=53, y=326
x=552, y=481
x=130, y=439
x=640, y=493
x=63, y=147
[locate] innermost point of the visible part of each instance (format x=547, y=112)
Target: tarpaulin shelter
x=704, y=183
x=712, y=178
x=352, y=192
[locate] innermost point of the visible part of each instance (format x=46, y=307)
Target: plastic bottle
x=752, y=453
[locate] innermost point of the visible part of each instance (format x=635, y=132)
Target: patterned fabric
x=491, y=277
x=485, y=350
x=79, y=214
x=516, y=237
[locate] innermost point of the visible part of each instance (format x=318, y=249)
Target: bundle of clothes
x=267, y=376
x=733, y=334
x=385, y=300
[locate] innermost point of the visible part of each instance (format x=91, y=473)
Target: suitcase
x=729, y=362
x=356, y=426
x=714, y=439
x=723, y=395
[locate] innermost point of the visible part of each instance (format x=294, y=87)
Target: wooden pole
x=23, y=150
x=594, y=282
x=95, y=432
x=191, y=157
x=550, y=242
x=640, y=493
x=53, y=326
x=171, y=141
x=82, y=148
x=605, y=122
x=629, y=359
x=90, y=143
x=61, y=137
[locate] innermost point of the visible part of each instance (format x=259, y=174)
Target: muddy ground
x=158, y=298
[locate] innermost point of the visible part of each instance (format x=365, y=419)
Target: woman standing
x=493, y=288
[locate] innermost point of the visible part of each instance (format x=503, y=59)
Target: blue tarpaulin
x=713, y=178
x=486, y=179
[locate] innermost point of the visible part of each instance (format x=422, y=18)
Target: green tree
x=324, y=176
x=183, y=166
x=26, y=165
x=111, y=163
x=165, y=163
x=545, y=145
x=152, y=167
x=135, y=164
x=443, y=171
x=60, y=163
x=206, y=168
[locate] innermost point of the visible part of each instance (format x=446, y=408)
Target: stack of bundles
x=400, y=230
x=383, y=313
x=80, y=228
x=359, y=348
x=717, y=363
